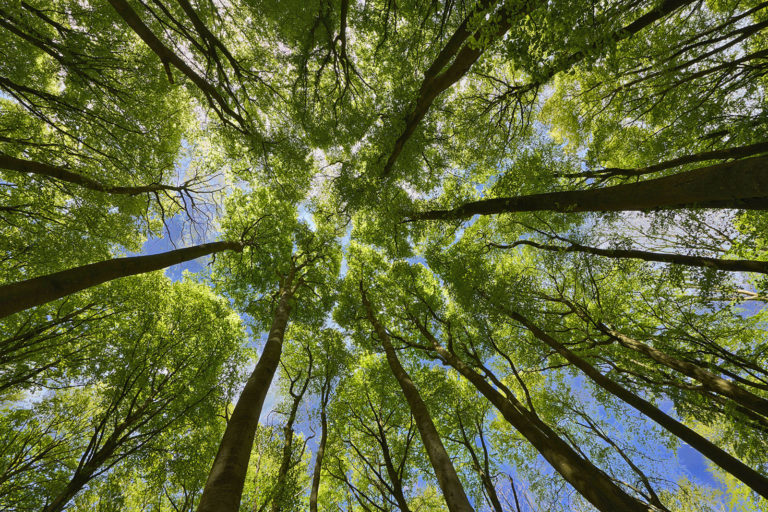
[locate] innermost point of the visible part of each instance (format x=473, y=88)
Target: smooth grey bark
x=709, y=380
x=676, y=259
x=585, y=477
x=22, y=295
x=741, y=184
x=224, y=486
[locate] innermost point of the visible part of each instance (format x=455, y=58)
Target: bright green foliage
x=315, y=132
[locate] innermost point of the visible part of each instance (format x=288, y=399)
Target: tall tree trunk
x=709, y=380
x=737, y=184
x=588, y=480
x=224, y=486
x=464, y=56
x=720, y=154
x=394, y=476
x=453, y=491
x=482, y=469
x=167, y=56
x=62, y=174
x=723, y=459
x=287, y=455
x=677, y=259
x=19, y=296
x=660, y=11
x=319, y=459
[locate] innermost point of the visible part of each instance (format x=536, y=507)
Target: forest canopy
x=439, y=255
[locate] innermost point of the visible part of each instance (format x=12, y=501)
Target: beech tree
x=469, y=255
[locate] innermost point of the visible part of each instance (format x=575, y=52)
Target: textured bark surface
x=739, y=184
x=19, y=296
x=726, y=461
x=453, y=491
x=224, y=486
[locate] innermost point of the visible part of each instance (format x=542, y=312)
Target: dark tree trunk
x=738, y=184
x=19, y=296
x=453, y=490
x=660, y=11
x=723, y=459
x=588, y=480
x=169, y=57
x=287, y=455
x=62, y=174
x=677, y=259
x=224, y=486
x=319, y=458
x=436, y=82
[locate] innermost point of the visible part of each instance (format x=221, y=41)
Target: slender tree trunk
x=738, y=184
x=464, y=56
x=660, y=11
x=169, y=57
x=723, y=459
x=319, y=458
x=588, y=480
x=453, y=491
x=224, y=486
x=22, y=295
x=287, y=455
x=709, y=380
x=720, y=154
x=394, y=477
x=62, y=174
x=482, y=469
x=677, y=259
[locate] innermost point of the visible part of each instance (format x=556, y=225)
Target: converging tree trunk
x=586, y=478
x=224, y=486
x=738, y=184
x=62, y=174
x=19, y=296
x=287, y=454
x=453, y=490
x=316, y=472
x=464, y=56
x=723, y=459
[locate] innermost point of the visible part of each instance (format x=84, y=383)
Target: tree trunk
x=224, y=486
x=663, y=9
x=465, y=56
x=588, y=480
x=62, y=174
x=22, y=295
x=453, y=491
x=677, y=259
x=285, y=460
x=738, y=184
x=394, y=477
x=167, y=56
x=723, y=459
x=709, y=380
x=319, y=459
